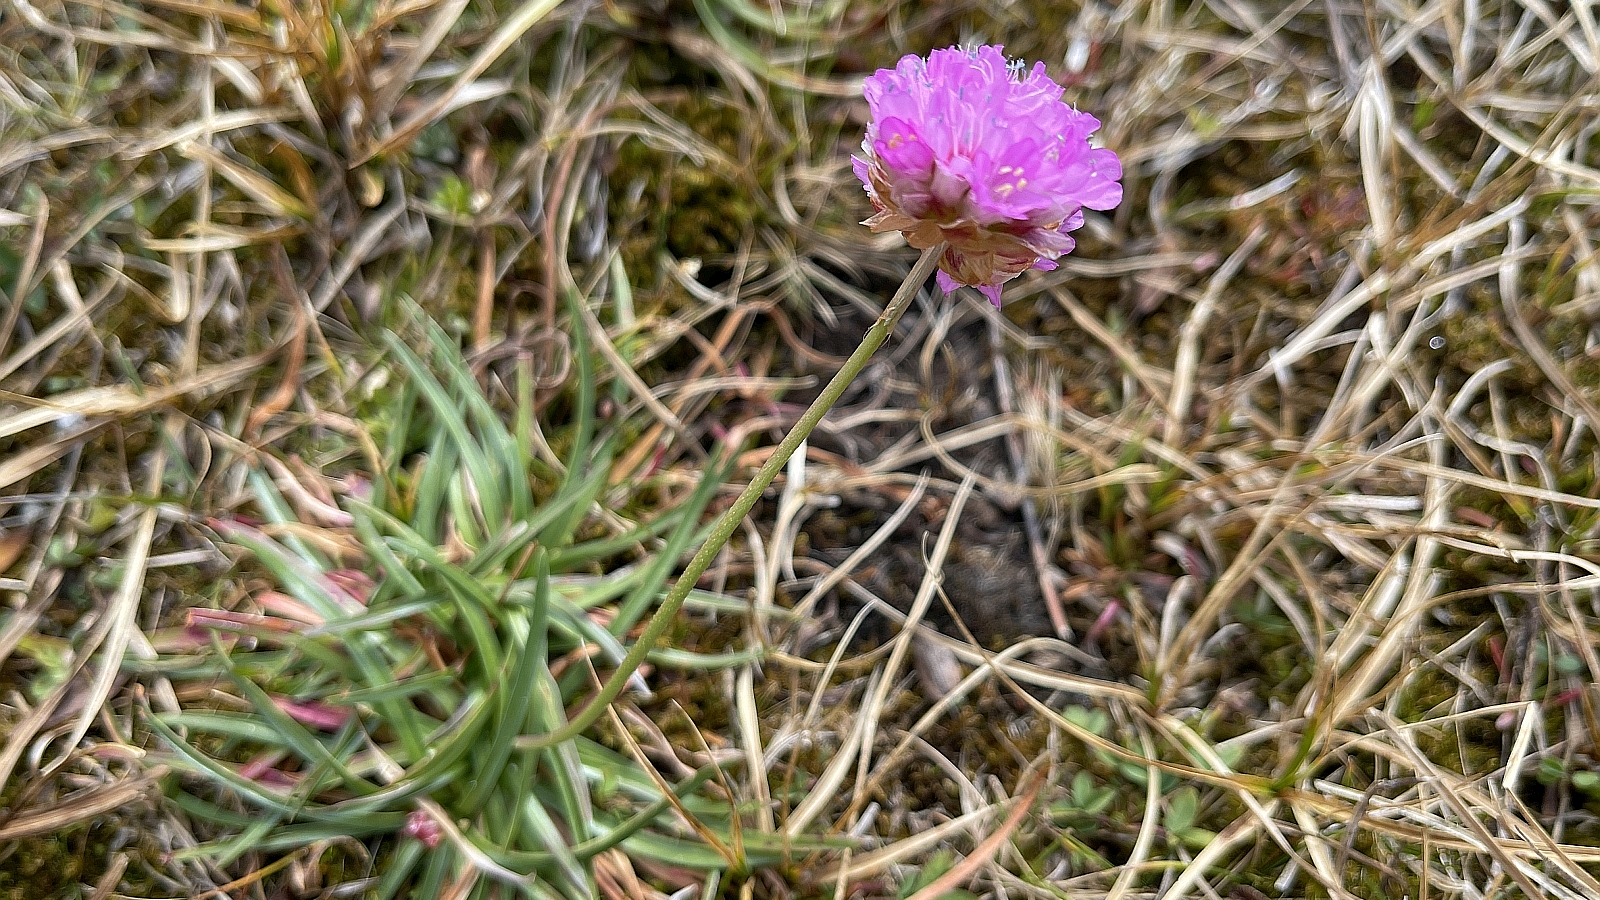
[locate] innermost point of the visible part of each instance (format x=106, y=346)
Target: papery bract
x=967, y=148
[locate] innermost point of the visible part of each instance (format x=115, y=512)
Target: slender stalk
x=729, y=522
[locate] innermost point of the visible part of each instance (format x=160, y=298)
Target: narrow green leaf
x=583, y=405
x=583, y=485
x=235, y=725
x=447, y=414
x=394, y=570
x=401, y=865
x=374, y=619
x=497, y=443
x=432, y=488
x=572, y=876
x=513, y=690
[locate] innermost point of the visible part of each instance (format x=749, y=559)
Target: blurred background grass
x=369, y=369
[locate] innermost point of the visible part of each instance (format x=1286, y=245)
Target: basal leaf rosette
x=966, y=148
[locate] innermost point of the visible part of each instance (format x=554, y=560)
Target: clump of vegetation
x=413, y=702
x=1291, y=464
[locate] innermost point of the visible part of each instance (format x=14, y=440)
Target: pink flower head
x=968, y=148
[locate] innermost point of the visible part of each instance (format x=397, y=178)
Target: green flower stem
x=729, y=522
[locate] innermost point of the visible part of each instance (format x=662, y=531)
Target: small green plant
x=398, y=702
x=941, y=862
x=1581, y=775
x=1183, y=810
x=1083, y=818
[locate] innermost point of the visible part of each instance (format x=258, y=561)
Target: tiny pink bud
x=420, y=825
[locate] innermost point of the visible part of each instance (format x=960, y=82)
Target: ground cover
x=371, y=370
